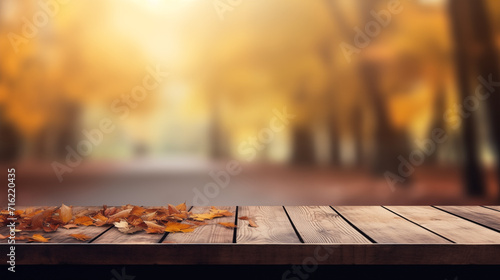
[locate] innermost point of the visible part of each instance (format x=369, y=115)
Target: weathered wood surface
x=320, y=224
x=453, y=228
x=333, y=235
x=210, y=233
x=386, y=227
x=486, y=217
x=496, y=207
x=274, y=226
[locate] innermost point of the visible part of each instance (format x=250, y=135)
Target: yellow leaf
x=228, y=225
x=220, y=212
x=181, y=207
x=201, y=217
x=81, y=237
x=178, y=227
x=39, y=238
x=84, y=220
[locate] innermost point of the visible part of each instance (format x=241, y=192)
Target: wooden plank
x=114, y=236
x=274, y=226
x=447, y=225
x=494, y=207
x=212, y=232
x=478, y=214
x=256, y=254
x=386, y=227
x=320, y=224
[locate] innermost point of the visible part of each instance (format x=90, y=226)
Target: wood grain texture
x=478, y=214
x=447, y=225
x=320, y=224
x=494, y=207
x=386, y=227
x=274, y=226
x=114, y=236
x=210, y=233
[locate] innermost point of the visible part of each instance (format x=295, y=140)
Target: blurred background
x=245, y=102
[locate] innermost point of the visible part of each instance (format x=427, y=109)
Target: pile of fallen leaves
x=127, y=219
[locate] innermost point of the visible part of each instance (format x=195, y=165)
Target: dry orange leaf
x=220, y=212
x=178, y=227
x=38, y=238
x=214, y=213
x=84, y=220
x=50, y=227
x=250, y=221
x=172, y=209
x=201, y=217
x=181, y=216
x=154, y=227
x=17, y=238
x=137, y=211
x=181, y=207
x=196, y=223
x=81, y=237
x=120, y=215
x=136, y=221
x=70, y=226
x=228, y=225
x=39, y=218
x=100, y=219
x=154, y=230
x=110, y=211
x=65, y=213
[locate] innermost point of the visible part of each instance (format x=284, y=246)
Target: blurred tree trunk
x=303, y=151
x=334, y=142
x=439, y=109
x=325, y=52
x=10, y=140
x=488, y=65
x=475, y=55
x=389, y=143
x=218, y=142
x=357, y=121
x=303, y=146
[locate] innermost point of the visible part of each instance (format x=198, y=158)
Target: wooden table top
x=388, y=235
